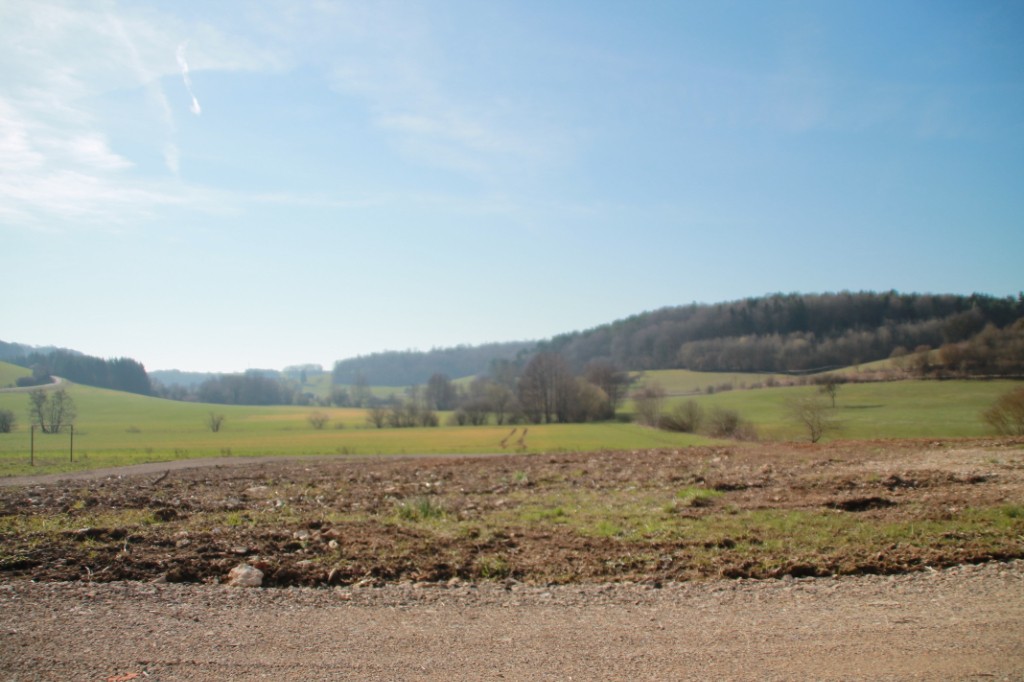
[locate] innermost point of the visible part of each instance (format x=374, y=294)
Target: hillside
x=9, y=374
x=788, y=332
x=784, y=333
x=406, y=368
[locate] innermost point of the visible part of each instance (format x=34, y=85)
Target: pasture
x=114, y=428
x=895, y=409
x=11, y=373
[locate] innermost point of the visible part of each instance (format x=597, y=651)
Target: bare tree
x=829, y=385
x=440, y=393
x=545, y=388
x=37, y=400
x=51, y=411
x=815, y=416
x=215, y=421
x=606, y=376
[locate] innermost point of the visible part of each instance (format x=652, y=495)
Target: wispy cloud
x=183, y=65
x=63, y=155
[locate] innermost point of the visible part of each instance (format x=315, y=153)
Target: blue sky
x=222, y=185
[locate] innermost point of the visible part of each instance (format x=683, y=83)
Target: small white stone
x=244, y=575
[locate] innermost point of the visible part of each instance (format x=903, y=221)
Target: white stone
x=244, y=575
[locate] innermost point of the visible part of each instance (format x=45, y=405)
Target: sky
x=215, y=186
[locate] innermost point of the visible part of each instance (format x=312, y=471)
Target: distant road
x=149, y=468
x=55, y=382
x=154, y=468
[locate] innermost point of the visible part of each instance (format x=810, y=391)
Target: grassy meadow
x=678, y=382
x=114, y=428
x=895, y=409
x=11, y=373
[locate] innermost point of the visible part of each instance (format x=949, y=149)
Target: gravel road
x=963, y=623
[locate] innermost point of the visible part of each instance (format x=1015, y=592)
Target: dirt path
x=157, y=468
x=148, y=469
x=964, y=623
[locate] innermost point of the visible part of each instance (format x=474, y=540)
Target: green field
x=686, y=382
x=11, y=373
x=114, y=428
x=897, y=409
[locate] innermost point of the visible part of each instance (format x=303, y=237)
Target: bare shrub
x=648, y=402
x=7, y=421
x=1006, y=415
x=377, y=416
x=318, y=420
x=686, y=418
x=725, y=423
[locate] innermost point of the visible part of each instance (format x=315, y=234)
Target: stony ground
x=963, y=623
x=876, y=560
x=695, y=513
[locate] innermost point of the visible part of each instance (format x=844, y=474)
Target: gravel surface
x=961, y=623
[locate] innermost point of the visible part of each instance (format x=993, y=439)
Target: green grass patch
x=678, y=382
x=898, y=409
x=9, y=374
x=422, y=508
x=116, y=429
x=694, y=496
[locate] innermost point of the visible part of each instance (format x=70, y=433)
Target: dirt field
x=744, y=511
x=689, y=564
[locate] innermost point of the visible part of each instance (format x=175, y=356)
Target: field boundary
x=151, y=468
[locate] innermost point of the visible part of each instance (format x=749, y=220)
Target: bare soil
x=492, y=567
x=342, y=521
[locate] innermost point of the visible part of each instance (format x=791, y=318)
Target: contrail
x=188, y=81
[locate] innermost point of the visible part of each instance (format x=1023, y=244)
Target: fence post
x=71, y=445
x=32, y=445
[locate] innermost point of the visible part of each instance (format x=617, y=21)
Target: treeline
x=788, y=332
x=15, y=352
x=540, y=391
x=254, y=387
x=406, y=368
x=119, y=374
x=991, y=352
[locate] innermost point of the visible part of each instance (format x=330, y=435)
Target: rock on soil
x=244, y=575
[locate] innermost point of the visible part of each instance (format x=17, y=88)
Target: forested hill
x=17, y=351
x=404, y=368
x=120, y=374
x=788, y=332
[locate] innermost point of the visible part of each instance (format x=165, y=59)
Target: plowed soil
x=599, y=566
x=672, y=515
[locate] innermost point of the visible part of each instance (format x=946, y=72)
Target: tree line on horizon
x=780, y=333
x=792, y=332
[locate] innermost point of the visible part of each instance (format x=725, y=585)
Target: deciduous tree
x=51, y=411
x=544, y=386
x=815, y=417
